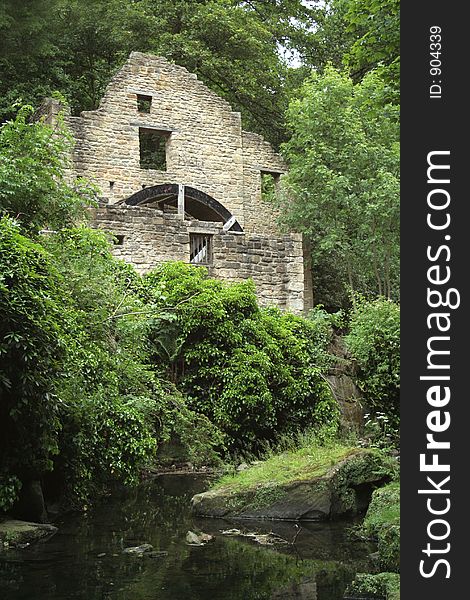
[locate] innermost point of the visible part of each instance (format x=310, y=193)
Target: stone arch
x=198, y=204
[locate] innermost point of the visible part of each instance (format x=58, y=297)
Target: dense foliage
x=374, y=342
x=101, y=368
x=255, y=373
x=32, y=353
x=33, y=161
x=342, y=189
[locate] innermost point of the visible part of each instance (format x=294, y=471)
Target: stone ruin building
x=181, y=180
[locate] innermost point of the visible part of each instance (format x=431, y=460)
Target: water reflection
x=85, y=560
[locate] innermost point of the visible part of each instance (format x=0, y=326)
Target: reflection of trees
x=68, y=565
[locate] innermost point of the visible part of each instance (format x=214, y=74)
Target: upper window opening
x=200, y=249
x=144, y=103
x=269, y=185
x=153, y=148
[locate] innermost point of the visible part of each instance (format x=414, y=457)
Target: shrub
x=374, y=342
x=255, y=373
x=383, y=585
x=382, y=523
x=33, y=161
x=102, y=441
x=32, y=353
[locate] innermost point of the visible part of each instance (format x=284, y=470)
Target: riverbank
x=309, y=483
x=382, y=525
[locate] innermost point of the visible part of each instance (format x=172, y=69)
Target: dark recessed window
x=144, y=103
x=153, y=149
x=200, y=249
x=118, y=240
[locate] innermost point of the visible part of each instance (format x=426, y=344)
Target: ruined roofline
x=152, y=60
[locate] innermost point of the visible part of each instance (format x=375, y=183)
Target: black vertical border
x=430, y=124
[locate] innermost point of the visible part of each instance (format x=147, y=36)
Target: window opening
x=144, y=103
x=152, y=144
x=200, y=249
x=269, y=185
x=119, y=240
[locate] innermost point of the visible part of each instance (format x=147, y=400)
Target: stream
x=84, y=560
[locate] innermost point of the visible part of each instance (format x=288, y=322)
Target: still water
x=85, y=559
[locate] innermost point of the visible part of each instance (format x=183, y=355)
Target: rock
x=30, y=506
x=198, y=539
x=345, y=490
x=231, y=532
x=19, y=534
x=242, y=467
x=264, y=539
x=156, y=554
x=138, y=550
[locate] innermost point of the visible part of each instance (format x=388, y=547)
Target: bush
x=382, y=585
x=115, y=409
x=382, y=523
x=374, y=342
x=32, y=354
x=102, y=441
x=33, y=161
x=255, y=373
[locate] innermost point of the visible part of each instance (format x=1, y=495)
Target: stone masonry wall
x=206, y=148
x=151, y=236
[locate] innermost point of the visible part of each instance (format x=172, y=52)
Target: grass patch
x=386, y=585
x=291, y=465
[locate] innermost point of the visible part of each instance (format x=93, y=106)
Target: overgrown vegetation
x=100, y=366
x=255, y=373
x=382, y=524
x=385, y=585
x=101, y=369
x=374, y=342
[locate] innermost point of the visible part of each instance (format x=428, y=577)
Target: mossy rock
x=382, y=585
x=382, y=524
x=344, y=489
x=17, y=534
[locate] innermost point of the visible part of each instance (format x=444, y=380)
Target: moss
x=384, y=585
x=314, y=482
x=297, y=465
x=382, y=523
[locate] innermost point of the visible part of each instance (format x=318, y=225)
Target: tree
x=376, y=27
x=235, y=47
x=32, y=353
x=342, y=189
x=360, y=35
x=33, y=162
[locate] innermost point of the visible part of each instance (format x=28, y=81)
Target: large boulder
x=344, y=490
x=18, y=534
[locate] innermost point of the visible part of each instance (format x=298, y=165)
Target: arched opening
x=197, y=205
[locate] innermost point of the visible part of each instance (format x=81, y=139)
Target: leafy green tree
x=374, y=342
x=376, y=26
x=254, y=373
x=33, y=162
x=342, y=189
x=235, y=47
x=27, y=52
x=32, y=354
